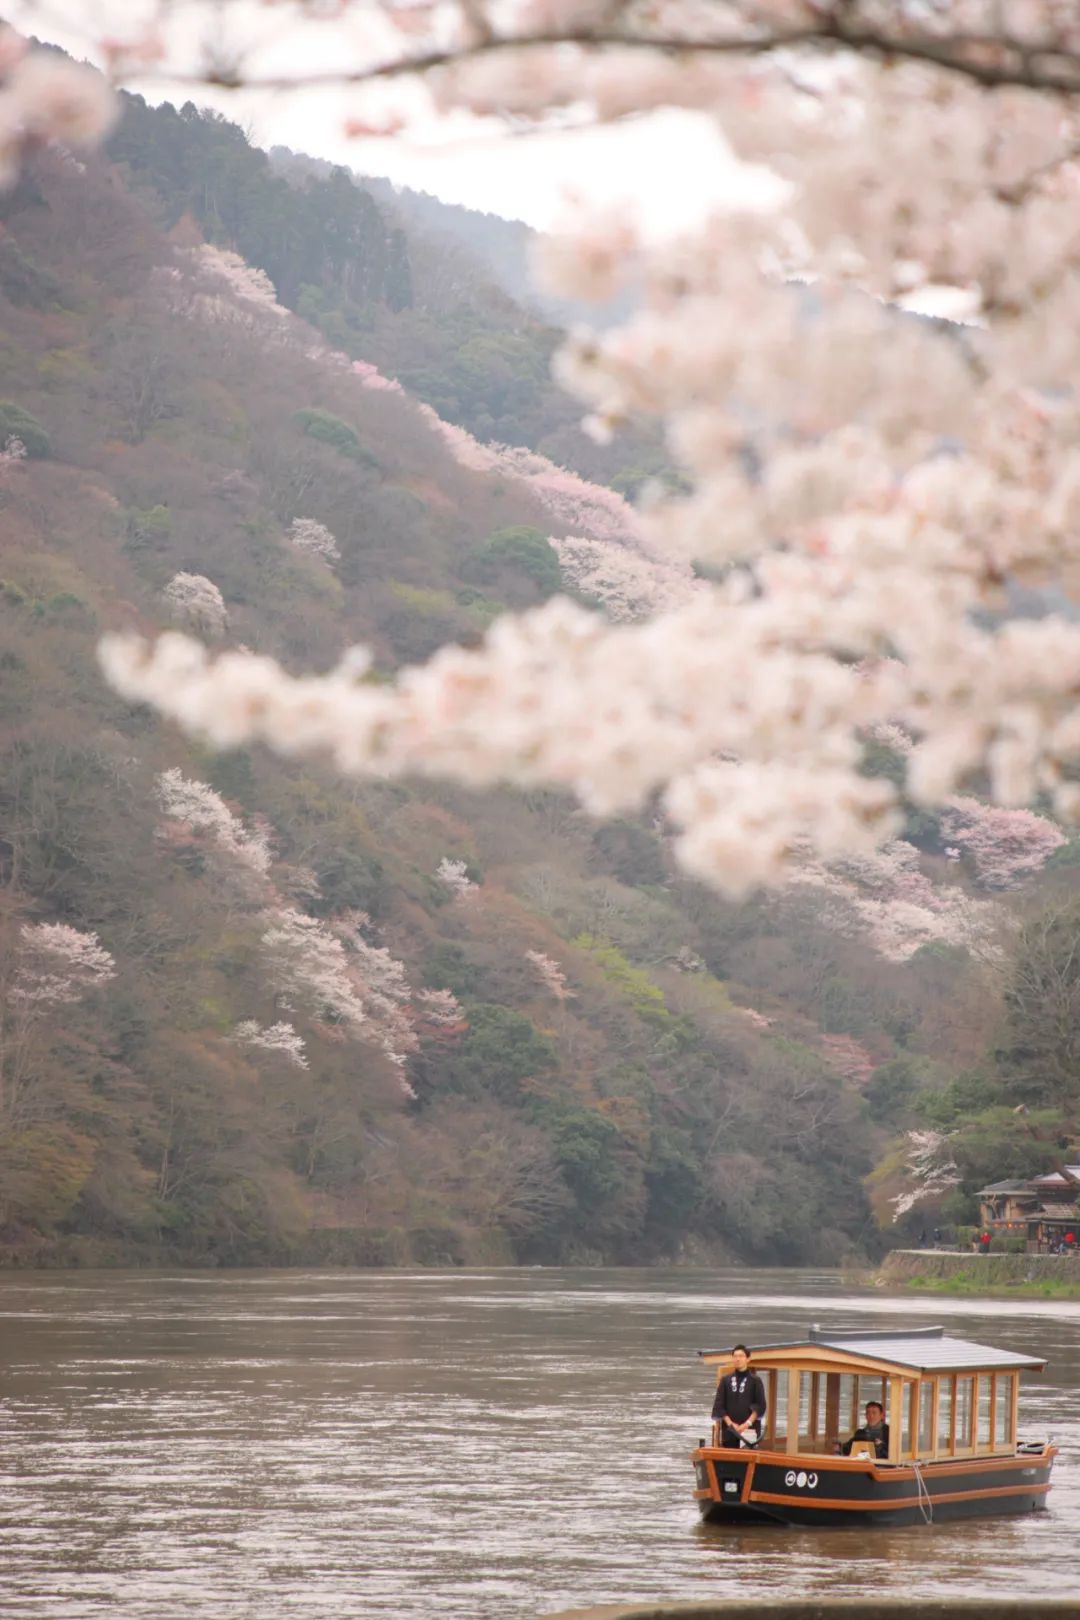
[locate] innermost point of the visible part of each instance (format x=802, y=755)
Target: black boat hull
x=770, y=1487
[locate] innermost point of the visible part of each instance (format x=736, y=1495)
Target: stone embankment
x=960, y=1271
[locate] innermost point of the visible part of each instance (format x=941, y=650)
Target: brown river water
x=467, y=1445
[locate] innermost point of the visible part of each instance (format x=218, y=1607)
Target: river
x=467, y=1445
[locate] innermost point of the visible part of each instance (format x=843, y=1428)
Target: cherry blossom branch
x=1053, y=65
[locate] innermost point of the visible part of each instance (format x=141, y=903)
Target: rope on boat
x=926, y=1505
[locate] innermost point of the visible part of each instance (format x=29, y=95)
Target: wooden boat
x=952, y=1451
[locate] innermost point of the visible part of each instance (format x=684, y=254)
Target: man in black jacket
x=875, y=1431
x=739, y=1407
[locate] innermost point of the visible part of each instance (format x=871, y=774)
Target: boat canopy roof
x=921, y=1350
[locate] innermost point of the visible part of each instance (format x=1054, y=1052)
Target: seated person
x=874, y=1432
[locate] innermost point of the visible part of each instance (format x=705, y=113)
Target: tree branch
x=1047, y=68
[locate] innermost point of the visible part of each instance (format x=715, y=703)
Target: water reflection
x=471, y=1445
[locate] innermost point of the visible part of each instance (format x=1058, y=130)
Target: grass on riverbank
x=970, y=1282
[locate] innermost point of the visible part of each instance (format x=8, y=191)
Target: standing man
x=739, y=1407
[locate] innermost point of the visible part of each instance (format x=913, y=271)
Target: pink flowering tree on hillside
x=353, y=990
x=278, y=1040
x=58, y=965
x=550, y=975
x=849, y=1058
x=930, y=1171
x=439, y=1015
x=45, y=968
x=314, y=538
x=454, y=876
x=1005, y=846
x=196, y=602
x=884, y=897
x=194, y=808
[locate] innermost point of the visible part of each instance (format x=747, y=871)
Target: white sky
x=666, y=169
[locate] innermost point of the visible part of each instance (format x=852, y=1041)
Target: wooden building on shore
x=1043, y=1210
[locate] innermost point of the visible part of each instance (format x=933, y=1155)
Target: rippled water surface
x=469, y=1445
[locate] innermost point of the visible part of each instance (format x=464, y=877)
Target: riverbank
x=1011, y=1276
x=352, y=1248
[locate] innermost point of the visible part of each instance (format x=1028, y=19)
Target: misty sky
x=667, y=167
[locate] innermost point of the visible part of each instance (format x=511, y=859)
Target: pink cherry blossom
x=58, y=964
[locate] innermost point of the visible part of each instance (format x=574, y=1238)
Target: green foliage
x=349, y=881
x=330, y=429
x=24, y=282
x=149, y=526
x=675, y=1188
x=447, y=967
x=630, y=852
x=43, y=1169
x=998, y=1144
x=892, y=1089
x=501, y=1051
x=972, y=1092
x=630, y=481
x=881, y=760
x=16, y=423
x=632, y=983
x=325, y=235
x=585, y=1147
x=424, y=602
x=1039, y=1055
x=517, y=547
x=1008, y=1243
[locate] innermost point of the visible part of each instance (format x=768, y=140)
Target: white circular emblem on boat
x=811, y=1480
x=789, y=1477
x=801, y=1481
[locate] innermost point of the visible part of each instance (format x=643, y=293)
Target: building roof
x=1058, y=1212
x=928, y=1349
x=1055, y=1179
x=1037, y=1185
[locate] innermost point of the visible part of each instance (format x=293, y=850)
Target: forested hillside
x=254, y=1012
x=412, y=304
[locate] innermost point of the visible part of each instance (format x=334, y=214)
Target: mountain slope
x=253, y=1011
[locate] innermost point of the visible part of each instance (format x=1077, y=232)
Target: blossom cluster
x=314, y=538
x=45, y=98
x=884, y=897
x=196, y=807
x=197, y=602
x=626, y=582
x=439, y=1014
x=550, y=974
x=865, y=483
x=931, y=1170
x=606, y=555
x=1005, y=846
x=279, y=1040
x=373, y=378
x=848, y=1058
x=348, y=985
x=245, y=281
x=454, y=875
x=58, y=964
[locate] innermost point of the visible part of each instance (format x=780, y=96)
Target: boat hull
x=757, y=1486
